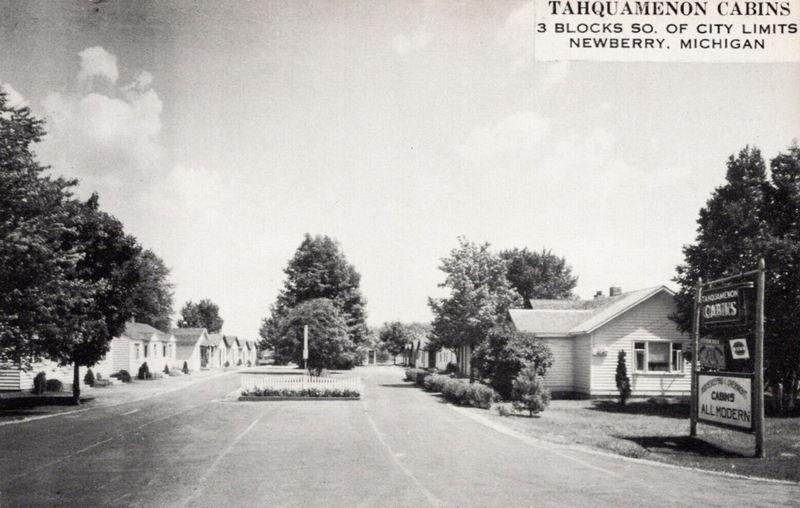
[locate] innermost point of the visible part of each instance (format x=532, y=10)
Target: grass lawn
x=661, y=432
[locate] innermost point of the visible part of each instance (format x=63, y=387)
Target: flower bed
x=302, y=393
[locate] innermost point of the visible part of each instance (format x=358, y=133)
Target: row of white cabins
x=140, y=343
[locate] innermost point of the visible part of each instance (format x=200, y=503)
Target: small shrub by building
x=54, y=385
x=623, y=381
x=39, y=383
x=185, y=368
x=124, y=376
x=88, y=379
x=528, y=392
x=227, y=364
x=144, y=371
x=166, y=370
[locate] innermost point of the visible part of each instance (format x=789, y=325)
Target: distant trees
x=203, y=314
x=395, y=338
x=538, y=274
x=753, y=215
x=318, y=270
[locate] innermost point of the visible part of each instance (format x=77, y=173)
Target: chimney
x=597, y=295
x=614, y=291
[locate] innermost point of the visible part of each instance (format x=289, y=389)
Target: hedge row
x=464, y=394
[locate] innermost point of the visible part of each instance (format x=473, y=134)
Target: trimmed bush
x=39, y=383
x=166, y=369
x=435, y=382
x=185, y=368
x=452, y=368
x=239, y=362
x=88, y=379
x=54, y=385
x=413, y=374
x=123, y=376
x=144, y=371
x=481, y=396
x=249, y=363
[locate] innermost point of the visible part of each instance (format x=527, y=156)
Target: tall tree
x=480, y=296
x=99, y=303
x=33, y=220
x=329, y=345
x=749, y=217
x=319, y=269
x=203, y=314
x=539, y=274
x=153, y=295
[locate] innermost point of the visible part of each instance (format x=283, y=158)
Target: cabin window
x=136, y=351
x=164, y=350
x=658, y=356
x=145, y=350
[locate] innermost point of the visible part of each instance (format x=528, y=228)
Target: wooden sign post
x=733, y=400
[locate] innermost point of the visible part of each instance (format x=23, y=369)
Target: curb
x=271, y=399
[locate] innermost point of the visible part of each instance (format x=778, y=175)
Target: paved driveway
x=398, y=446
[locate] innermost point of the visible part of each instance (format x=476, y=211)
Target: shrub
x=239, y=362
x=185, y=367
x=452, y=368
x=123, y=376
x=88, y=379
x=54, y=385
x=503, y=410
x=144, y=371
x=166, y=369
x=504, y=353
x=529, y=393
x=481, y=396
x=39, y=383
x=623, y=381
x=435, y=382
x=414, y=375
x=227, y=364
x=249, y=363
x=455, y=391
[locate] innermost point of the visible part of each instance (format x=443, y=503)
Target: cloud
x=13, y=97
x=404, y=44
x=109, y=137
x=516, y=135
x=516, y=35
x=97, y=62
x=555, y=74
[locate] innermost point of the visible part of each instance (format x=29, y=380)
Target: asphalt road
x=398, y=446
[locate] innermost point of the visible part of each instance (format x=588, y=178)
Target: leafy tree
x=329, y=345
x=203, y=314
x=319, y=269
x=480, y=296
x=538, y=274
x=749, y=217
x=529, y=392
x=152, y=296
x=622, y=379
x=98, y=304
x=504, y=353
x=395, y=337
x=33, y=219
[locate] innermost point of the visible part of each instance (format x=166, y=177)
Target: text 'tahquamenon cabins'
x=587, y=335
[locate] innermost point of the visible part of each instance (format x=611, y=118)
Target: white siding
x=649, y=321
x=560, y=375
x=582, y=368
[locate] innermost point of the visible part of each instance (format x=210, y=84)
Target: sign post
x=759, y=362
x=734, y=400
x=305, y=347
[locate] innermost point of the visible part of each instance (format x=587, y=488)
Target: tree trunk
x=76, y=385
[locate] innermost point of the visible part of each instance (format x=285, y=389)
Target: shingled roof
x=140, y=331
x=574, y=317
x=187, y=335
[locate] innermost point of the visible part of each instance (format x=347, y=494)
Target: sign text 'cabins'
x=726, y=400
x=724, y=306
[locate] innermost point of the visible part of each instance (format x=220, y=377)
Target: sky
x=221, y=132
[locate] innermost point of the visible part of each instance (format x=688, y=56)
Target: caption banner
x=710, y=31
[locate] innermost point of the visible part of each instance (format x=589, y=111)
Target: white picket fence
x=264, y=381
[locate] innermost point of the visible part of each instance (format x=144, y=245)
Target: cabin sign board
x=726, y=400
x=723, y=307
